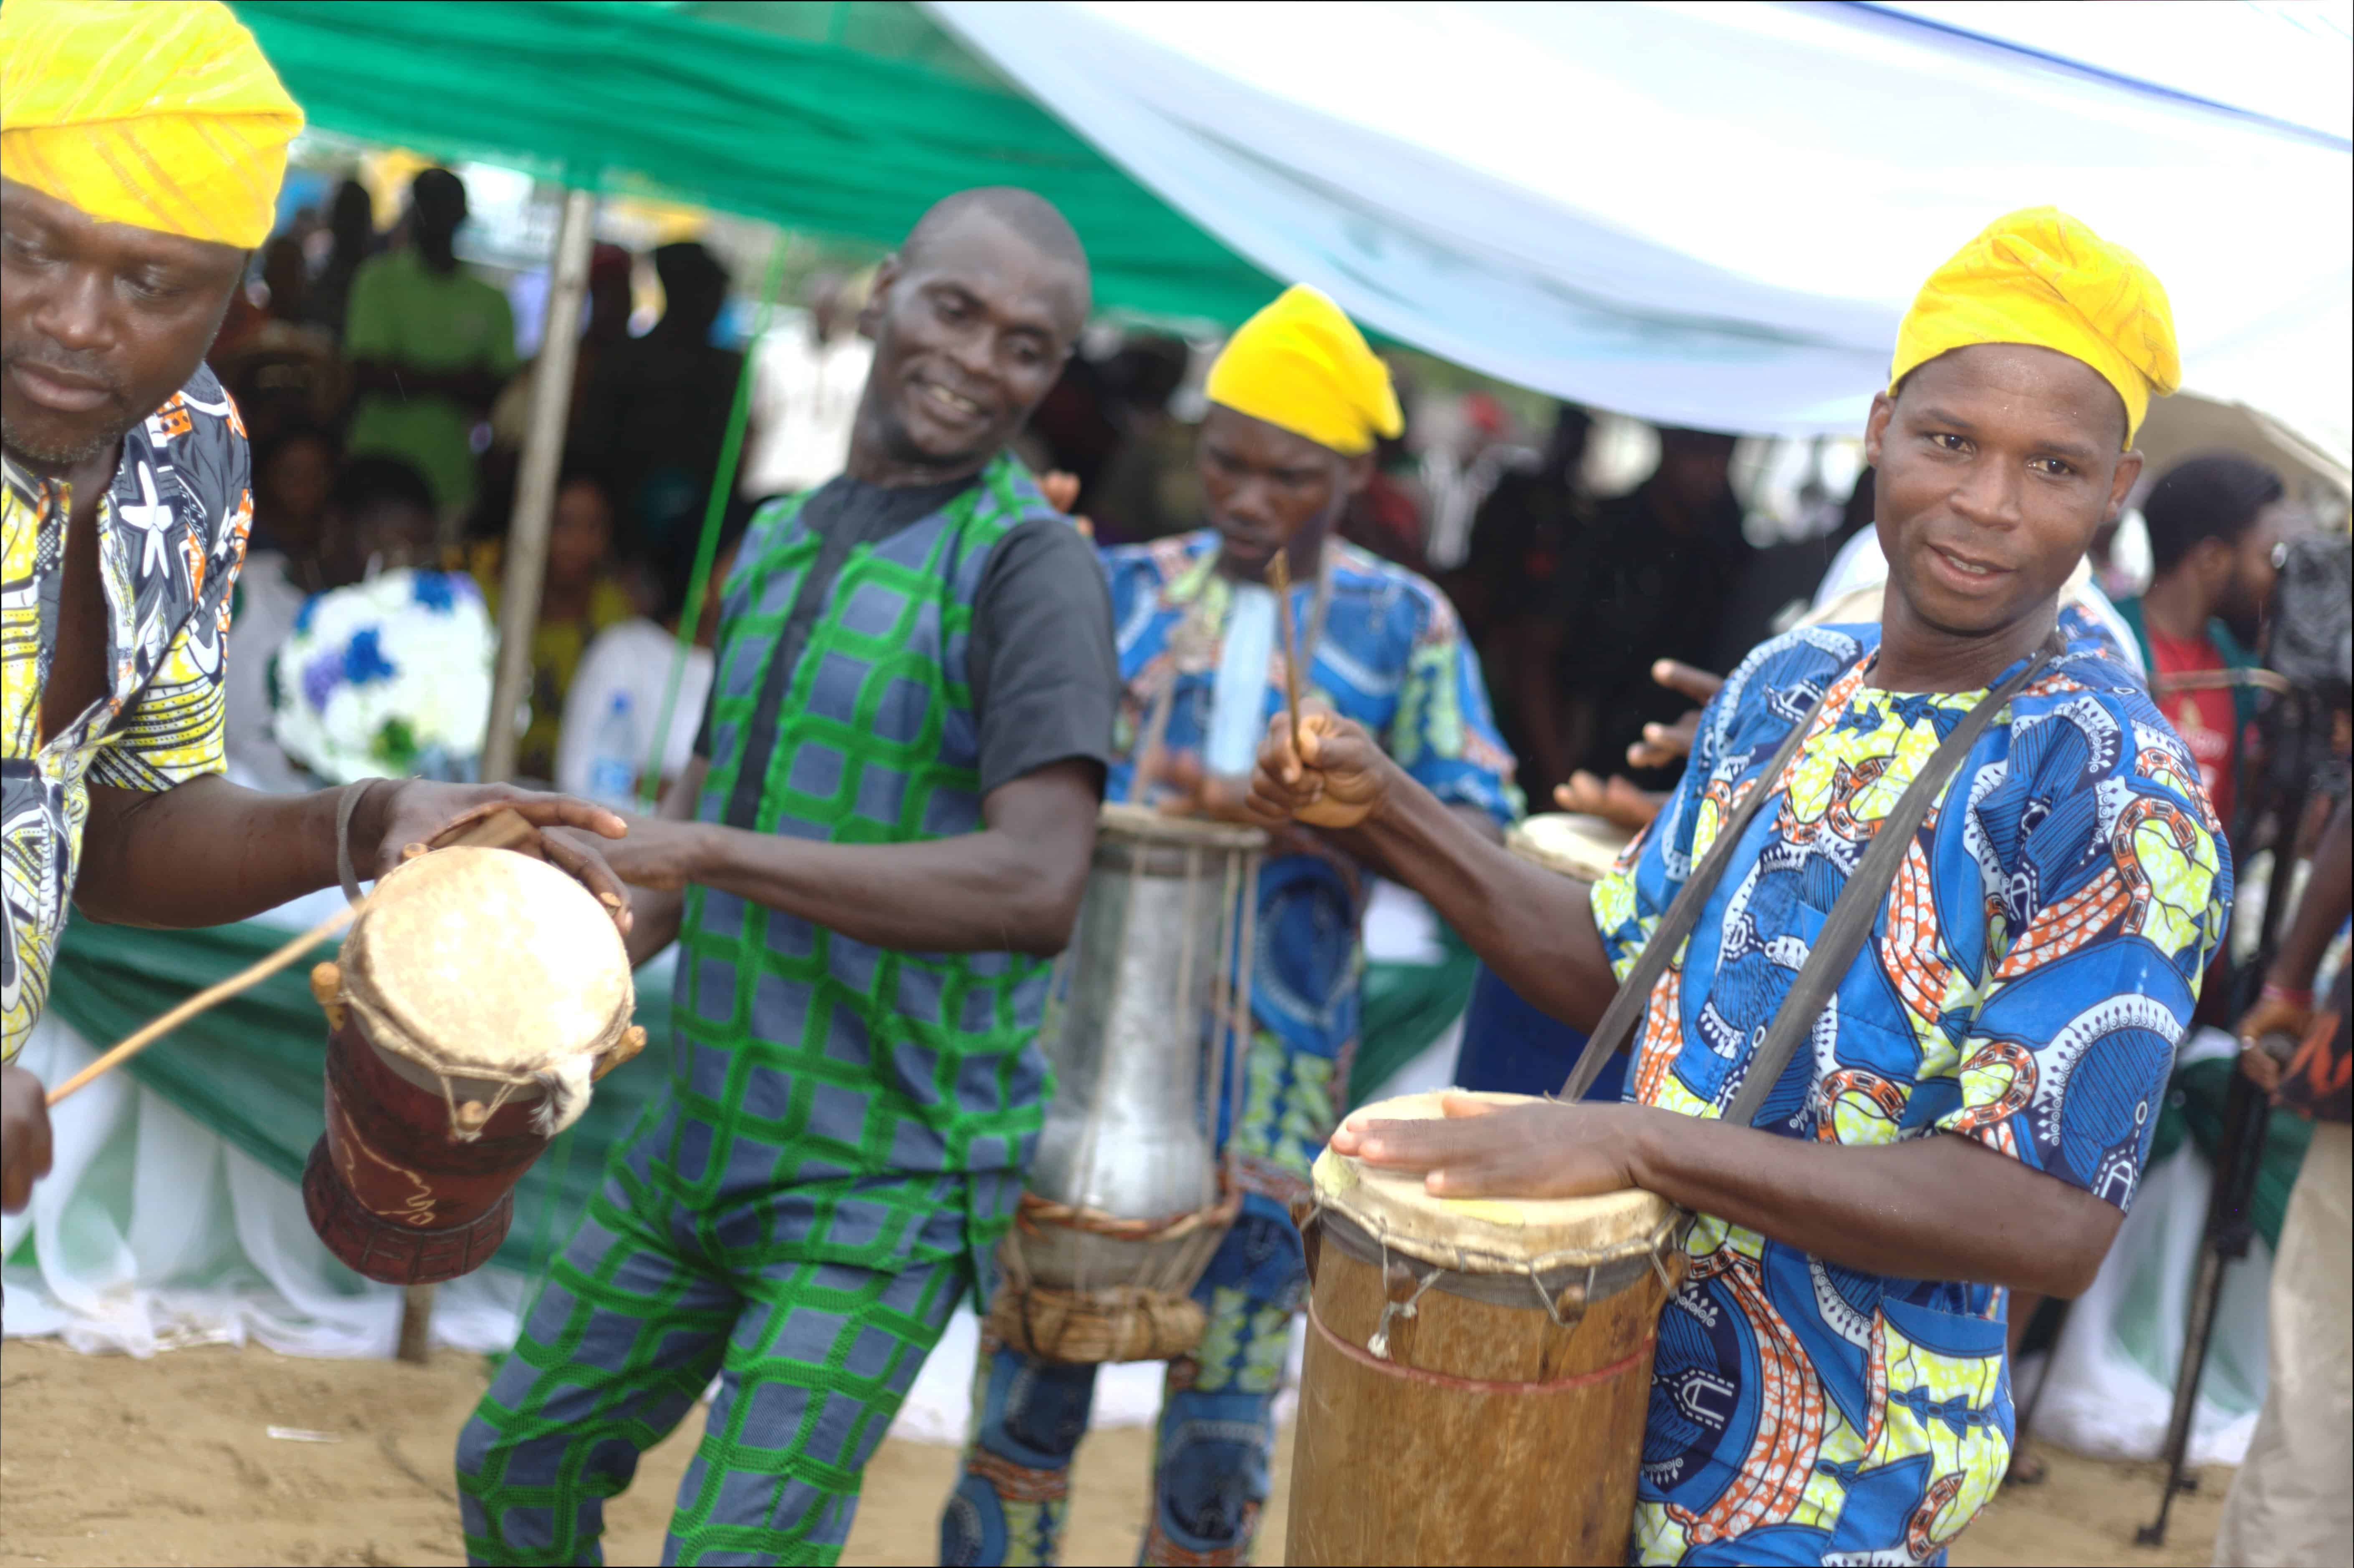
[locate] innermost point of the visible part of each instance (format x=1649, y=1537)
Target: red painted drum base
x=391, y=1253
x=390, y=1192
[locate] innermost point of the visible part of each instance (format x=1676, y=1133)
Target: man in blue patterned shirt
x=1296, y=399
x=1831, y=1385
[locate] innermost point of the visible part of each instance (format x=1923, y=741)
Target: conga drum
x=1508, y=1045
x=1479, y=1370
x=478, y=993
x=1127, y=1197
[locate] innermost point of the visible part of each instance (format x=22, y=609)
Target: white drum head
x=1486, y=1236
x=485, y=963
x=1570, y=842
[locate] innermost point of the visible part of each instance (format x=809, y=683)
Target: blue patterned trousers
x=1217, y=1433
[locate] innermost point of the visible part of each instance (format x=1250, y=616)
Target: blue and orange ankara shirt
x=2024, y=986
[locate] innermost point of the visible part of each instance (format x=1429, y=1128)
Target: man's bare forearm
x=207, y=852
x=1941, y=1207
x=1532, y=926
x=976, y=893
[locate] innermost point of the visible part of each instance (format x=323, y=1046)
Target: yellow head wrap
x=161, y=115
x=2041, y=277
x=1301, y=365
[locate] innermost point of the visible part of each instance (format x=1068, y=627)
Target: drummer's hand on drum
x=417, y=811
x=1337, y=783
x=24, y=1137
x=1483, y=1150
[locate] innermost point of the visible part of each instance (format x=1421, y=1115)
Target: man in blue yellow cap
x=1296, y=401
x=1967, y=1111
x=141, y=150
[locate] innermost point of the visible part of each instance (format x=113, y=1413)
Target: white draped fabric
x=1714, y=215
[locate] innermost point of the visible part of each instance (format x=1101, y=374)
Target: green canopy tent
x=844, y=119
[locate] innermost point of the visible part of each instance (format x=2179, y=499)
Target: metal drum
x=1127, y=1195
x=479, y=993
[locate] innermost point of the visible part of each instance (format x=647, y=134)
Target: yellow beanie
x=2041, y=277
x=161, y=115
x=1301, y=365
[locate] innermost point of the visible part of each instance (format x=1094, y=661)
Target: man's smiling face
x=1993, y=467
x=971, y=328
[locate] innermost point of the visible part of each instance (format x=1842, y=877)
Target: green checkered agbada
x=845, y=1128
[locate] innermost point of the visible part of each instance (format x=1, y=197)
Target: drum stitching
x=1618, y=1264
x=1483, y=1386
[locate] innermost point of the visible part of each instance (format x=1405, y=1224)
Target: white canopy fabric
x=1713, y=214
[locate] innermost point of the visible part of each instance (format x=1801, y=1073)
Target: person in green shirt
x=429, y=346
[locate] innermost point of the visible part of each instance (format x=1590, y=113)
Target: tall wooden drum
x=478, y=994
x=1479, y=1370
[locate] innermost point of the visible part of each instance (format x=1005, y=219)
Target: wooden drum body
x=478, y=993
x=1477, y=1372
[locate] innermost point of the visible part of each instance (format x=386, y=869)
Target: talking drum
x=1478, y=1371
x=1126, y=1196
x=478, y=993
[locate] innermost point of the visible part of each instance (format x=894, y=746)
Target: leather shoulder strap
x=1617, y=1029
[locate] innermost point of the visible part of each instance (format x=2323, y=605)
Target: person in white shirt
x=616, y=696
x=806, y=388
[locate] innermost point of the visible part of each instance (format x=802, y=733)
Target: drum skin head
x=1485, y=1236
x=1569, y=841
x=489, y=963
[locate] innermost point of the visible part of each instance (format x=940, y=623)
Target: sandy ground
x=106, y=1460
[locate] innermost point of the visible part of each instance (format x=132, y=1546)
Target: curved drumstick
x=140, y=1039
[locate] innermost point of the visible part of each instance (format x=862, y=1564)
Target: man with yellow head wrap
x=1297, y=400
x=141, y=150
x=1965, y=1110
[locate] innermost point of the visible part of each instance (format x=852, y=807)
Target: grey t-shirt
x=1040, y=658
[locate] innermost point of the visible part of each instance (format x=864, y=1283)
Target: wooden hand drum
x=478, y=993
x=1479, y=1370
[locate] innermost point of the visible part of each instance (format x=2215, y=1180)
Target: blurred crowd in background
x=380, y=378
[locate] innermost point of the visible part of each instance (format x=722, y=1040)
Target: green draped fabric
x=254, y=1069
x=1406, y=1007
x=844, y=120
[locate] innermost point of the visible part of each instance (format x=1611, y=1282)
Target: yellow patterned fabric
x=1301, y=365
x=172, y=530
x=2041, y=277
x=161, y=115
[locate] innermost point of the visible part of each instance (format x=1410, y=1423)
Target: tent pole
x=542, y=452
x=526, y=565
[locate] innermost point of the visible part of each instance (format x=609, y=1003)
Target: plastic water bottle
x=619, y=754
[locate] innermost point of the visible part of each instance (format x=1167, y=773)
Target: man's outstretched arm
x=1013, y=886
x=1942, y=1207
x=1530, y=925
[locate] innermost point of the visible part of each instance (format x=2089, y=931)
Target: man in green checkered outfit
x=878, y=849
